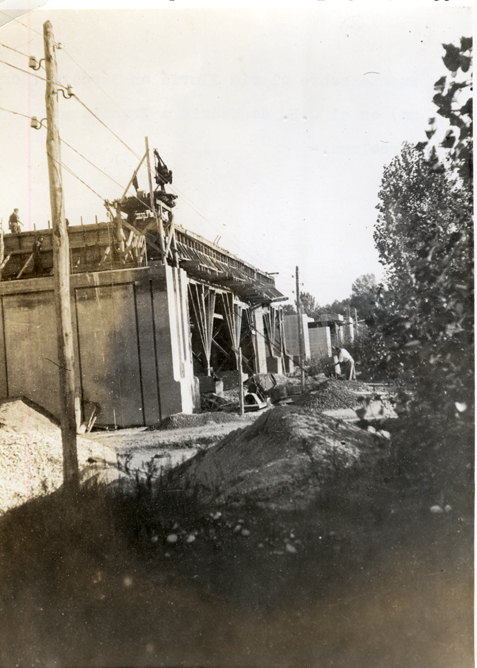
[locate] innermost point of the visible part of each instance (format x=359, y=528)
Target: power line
x=37, y=76
x=12, y=18
x=183, y=196
x=91, y=163
x=10, y=111
x=107, y=127
x=12, y=49
x=25, y=71
x=97, y=84
x=62, y=164
x=17, y=113
x=215, y=225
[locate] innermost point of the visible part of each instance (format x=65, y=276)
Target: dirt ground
x=169, y=447
x=341, y=567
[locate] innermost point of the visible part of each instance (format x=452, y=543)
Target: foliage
x=453, y=99
x=288, y=309
x=363, y=295
x=424, y=317
x=308, y=305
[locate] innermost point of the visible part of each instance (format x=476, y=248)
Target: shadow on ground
x=154, y=579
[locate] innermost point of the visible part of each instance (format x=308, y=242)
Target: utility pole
x=300, y=329
x=61, y=267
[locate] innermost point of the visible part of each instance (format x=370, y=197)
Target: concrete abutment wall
x=131, y=338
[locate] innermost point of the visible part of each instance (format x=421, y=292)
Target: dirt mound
x=31, y=456
x=333, y=394
x=182, y=420
x=280, y=460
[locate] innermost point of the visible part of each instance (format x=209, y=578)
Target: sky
x=276, y=122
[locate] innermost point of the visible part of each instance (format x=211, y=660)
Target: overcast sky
x=276, y=123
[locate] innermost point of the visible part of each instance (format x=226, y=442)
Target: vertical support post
x=153, y=204
x=61, y=267
x=356, y=323
x=300, y=329
x=239, y=367
x=2, y=250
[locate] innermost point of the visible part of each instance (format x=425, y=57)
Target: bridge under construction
x=156, y=310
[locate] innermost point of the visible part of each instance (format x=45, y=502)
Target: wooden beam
x=140, y=234
x=171, y=235
x=153, y=203
x=132, y=178
x=25, y=266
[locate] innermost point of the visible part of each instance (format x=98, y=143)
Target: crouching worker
x=345, y=359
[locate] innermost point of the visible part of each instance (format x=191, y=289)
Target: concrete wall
x=320, y=341
x=131, y=339
x=348, y=331
x=259, y=341
x=291, y=336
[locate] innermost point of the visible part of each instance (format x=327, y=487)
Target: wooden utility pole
x=300, y=329
x=61, y=267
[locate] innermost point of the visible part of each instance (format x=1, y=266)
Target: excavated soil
x=279, y=461
x=31, y=456
x=332, y=394
x=184, y=421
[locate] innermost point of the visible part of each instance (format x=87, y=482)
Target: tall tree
x=308, y=303
x=417, y=208
x=363, y=295
x=424, y=236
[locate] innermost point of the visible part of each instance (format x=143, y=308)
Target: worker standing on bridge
x=14, y=222
x=347, y=361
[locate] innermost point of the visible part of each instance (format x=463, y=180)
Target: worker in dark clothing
x=37, y=261
x=14, y=222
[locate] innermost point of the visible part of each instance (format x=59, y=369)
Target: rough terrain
x=280, y=460
x=31, y=456
x=320, y=555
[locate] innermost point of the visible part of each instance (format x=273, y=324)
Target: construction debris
x=214, y=402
